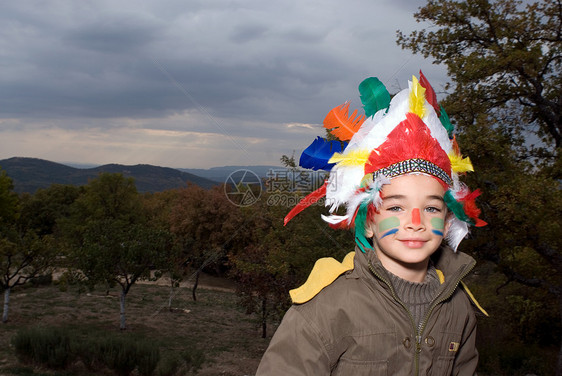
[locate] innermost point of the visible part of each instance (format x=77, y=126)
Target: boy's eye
x=433, y=209
x=394, y=208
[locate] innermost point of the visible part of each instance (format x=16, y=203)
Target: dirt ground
x=214, y=324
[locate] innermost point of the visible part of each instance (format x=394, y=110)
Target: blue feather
x=317, y=155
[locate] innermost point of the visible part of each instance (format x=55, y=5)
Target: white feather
x=437, y=129
x=342, y=184
x=372, y=194
x=366, y=128
x=334, y=219
x=380, y=131
x=456, y=232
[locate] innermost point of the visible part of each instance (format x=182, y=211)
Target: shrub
x=49, y=347
x=168, y=366
x=56, y=348
x=41, y=280
x=194, y=359
x=70, y=278
x=189, y=360
x=120, y=354
x=148, y=356
x=88, y=351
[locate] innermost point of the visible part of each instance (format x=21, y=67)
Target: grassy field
x=214, y=325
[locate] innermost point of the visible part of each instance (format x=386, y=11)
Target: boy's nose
x=416, y=220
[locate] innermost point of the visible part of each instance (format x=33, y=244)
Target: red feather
x=310, y=199
x=470, y=208
x=410, y=139
x=430, y=93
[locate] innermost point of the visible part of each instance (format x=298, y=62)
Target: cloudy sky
x=192, y=84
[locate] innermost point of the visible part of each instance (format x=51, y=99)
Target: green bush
x=70, y=278
x=148, y=356
x=168, y=366
x=41, y=280
x=194, y=359
x=56, y=348
x=49, y=347
x=180, y=364
x=88, y=351
x=119, y=355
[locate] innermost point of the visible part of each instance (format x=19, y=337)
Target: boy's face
x=410, y=224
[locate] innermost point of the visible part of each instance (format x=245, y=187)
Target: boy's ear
x=448, y=220
x=369, y=233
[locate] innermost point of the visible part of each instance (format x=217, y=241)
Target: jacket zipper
x=418, y=343
x=419, y=330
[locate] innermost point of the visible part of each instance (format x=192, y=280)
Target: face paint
x=416, y=220
x=438, y=226
x=390, y=232
x=389, y=225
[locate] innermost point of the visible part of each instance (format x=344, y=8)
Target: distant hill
x=30, y=174
x=220, y=174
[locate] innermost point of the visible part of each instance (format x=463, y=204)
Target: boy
x=397, y=305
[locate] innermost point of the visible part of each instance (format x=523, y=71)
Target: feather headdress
x=410, y=133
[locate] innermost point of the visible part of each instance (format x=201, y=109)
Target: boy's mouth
x=413, y=243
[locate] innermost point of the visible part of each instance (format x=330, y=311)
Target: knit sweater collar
x=415, y=292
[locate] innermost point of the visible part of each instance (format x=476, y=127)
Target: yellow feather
x=417, y=98
x=352, y=158
x=460, y=164
x=367, y=179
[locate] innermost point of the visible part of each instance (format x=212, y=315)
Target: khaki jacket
x=357, y=326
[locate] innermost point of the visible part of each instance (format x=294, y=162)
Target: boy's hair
x=409, y=134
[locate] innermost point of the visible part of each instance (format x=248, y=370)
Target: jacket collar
x=453, y=265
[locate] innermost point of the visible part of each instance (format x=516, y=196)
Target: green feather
x=374, y=96
x=456, y=207
x=446, y=122
x=360, y=221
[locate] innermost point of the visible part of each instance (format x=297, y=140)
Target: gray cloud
x=247, y=33
x=196, y=66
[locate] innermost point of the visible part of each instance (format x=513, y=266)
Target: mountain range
x=30, y=174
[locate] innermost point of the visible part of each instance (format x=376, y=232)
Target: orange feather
x=340, y=124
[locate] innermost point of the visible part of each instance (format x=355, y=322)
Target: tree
x=207, y=225
x=262, y=281
x=262, y=267
x=116, y=253
x=8, y=199
x=43, y=209
x=23, y=257
x=504, y=58
x=501, y=55
x=158, y=207
x=24, y=254
x=278, y=258
x=110, y=238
